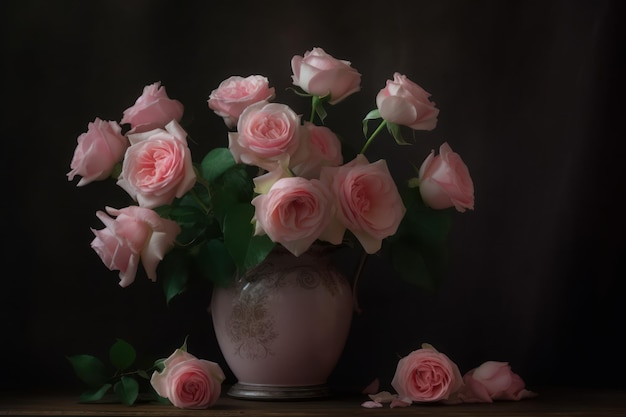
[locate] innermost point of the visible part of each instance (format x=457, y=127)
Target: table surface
x=550, y=402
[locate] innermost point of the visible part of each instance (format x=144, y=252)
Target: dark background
x=531, y=96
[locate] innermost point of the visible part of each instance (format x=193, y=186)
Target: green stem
x=194, y=194
x=380, y=127
x=315, y=100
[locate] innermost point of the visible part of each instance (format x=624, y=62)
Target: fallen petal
x=383, y=397
x=371, y=404
x=396, y=402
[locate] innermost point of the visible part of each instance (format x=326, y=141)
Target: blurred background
x=530, y=95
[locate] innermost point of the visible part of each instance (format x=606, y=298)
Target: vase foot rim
x=278, y=392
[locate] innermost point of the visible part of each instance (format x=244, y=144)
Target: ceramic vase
x=282, y=326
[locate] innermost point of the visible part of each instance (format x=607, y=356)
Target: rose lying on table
x=426, y=375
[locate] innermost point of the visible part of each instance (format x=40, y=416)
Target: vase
x=282, y=325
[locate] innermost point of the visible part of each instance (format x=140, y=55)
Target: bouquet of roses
x=281, y=180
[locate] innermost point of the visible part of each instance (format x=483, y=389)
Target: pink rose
x=493, y=381
x=97, y=152
x=319, y=74
x=157, y=166
x=236, y=93
x=426, y=375
x=137, y=233
x=322, y=147
x=445, y=181
x=405, y=103
x=152, y=110
x=267, y=133
x=295, y=212
x=189, y=382
x=367, y=199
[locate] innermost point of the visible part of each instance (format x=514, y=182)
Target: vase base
x=278, y=392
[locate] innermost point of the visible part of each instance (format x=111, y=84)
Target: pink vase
x=283, y=325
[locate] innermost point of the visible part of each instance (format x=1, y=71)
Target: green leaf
x=215, y=263
x=94, y=394
x=89, y=369
x=160, y=364
x=216, y=163
x=394, y=130
x=318, y=106
x=122, y=355
x=234, y=187
x=143, y=374
x=187, y=215
x=127, y=390
x=173, y=271
x=372, y=115
x=184, y=345
x=238, y=231
x=246, y=249
x=418, y=250
x=299, y=92
x=258, y=249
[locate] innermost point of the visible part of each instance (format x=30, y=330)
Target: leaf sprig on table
x=120, y=374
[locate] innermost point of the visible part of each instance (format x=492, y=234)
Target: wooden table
x=559, y=402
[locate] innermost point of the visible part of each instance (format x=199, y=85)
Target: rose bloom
x=367, y=199
x=153, y=109
x=157, y=166
x=137, y=233
x=445, y=181
x=236, y=93
x=267, y=133
x=426, y=375
x=319, y=74
x=97, y=152
x=189, y=382
x=405, y=103
x=493, y=381
x=295, y=212
x=323, y=148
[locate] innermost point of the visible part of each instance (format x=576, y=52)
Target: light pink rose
x=189, y=382
x=323, y=148
x=157, y=166
x=295, y=212
x=367, y=199
x=236, y=93
x=153, y=109
x=97, y=152
x=426, y=375
x=136, y=234
x=267, y=133
x=405, y=103
x=493, y=381
x=445, y=181
x=319, y=74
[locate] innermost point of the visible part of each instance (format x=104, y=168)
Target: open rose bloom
x=426, y=375
x=188, y=382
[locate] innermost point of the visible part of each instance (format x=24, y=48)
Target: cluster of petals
x=157, y=166
x=320, y=74
x=403, y=102
x=445, y=181
x=428, y=376
x=152, y=109
x=236, y=93
x=137, y=233
x=188, y=382
x=97, y=151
